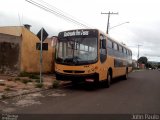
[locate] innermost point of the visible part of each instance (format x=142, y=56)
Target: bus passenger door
x=103, y=57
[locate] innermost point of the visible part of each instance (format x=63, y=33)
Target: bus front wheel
x=108, y=80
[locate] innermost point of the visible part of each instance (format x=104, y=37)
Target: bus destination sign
x=78, y=33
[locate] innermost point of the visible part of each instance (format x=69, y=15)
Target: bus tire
x=126, y=75
x=108, y=80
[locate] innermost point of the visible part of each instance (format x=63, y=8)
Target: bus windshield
x=74, y=50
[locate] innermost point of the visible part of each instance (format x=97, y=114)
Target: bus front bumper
x=77, y=77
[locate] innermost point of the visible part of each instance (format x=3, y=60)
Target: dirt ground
x=14, y=84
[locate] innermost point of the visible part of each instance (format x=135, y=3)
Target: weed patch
x=39, y=85
x=3, y=96
x=32, y=76
x=55, y=84
x=7, y=89
x=23, y=74
x=17, y=79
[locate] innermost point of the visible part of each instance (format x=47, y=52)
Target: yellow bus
x=92, y=56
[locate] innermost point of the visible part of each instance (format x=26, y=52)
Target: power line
x=62, y=12
x=117, y=25
x=55, y=12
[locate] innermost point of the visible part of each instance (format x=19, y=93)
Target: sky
x=143, y=16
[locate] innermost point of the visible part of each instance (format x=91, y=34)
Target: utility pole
x=138, y=54
x=109, y=13
x=138, y=51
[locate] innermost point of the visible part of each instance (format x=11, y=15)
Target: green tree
x=143, y=60
x=148, y=65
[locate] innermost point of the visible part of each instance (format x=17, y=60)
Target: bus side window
x=115, y=46
x=103, y=44
x=120, y=51
x=102, y=41
x=110, y=47
x=124, y=52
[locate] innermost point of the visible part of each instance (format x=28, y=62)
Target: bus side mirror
x=103, y=44
x=54, y=40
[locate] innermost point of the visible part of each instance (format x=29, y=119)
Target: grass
x=30, y=80
x=7, y=89
x=33, y=76
x=24, y=74
x=38, y=80
x=3, y=96
x=25, y=81
x=30, y=75
x=55, y=84
x=39, y=85
x=17, y=79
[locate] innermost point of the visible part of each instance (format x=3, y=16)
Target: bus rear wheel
x=125, y=77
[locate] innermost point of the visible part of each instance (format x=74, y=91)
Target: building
x=134, y=64
x=18, y=51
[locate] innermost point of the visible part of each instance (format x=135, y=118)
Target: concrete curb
x=139, y=70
